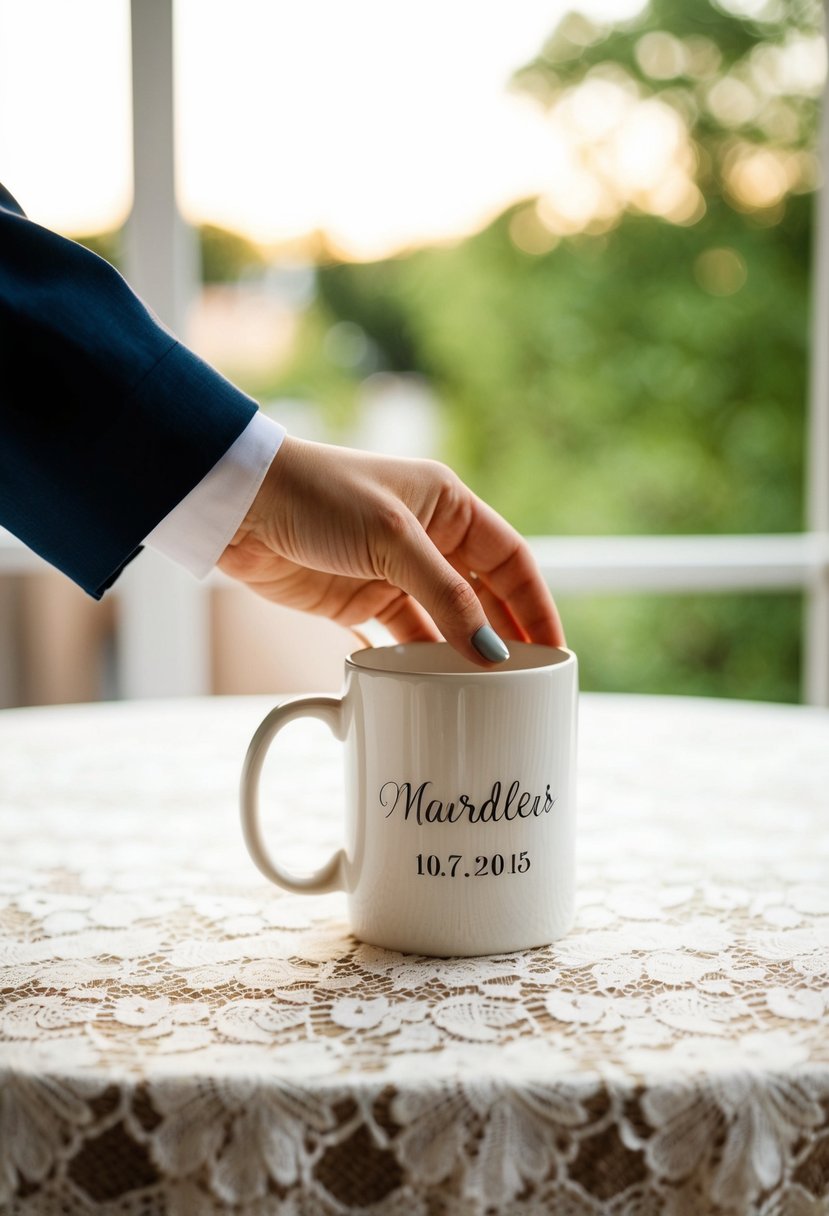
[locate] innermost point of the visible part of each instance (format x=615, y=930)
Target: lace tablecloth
x=177, y=1036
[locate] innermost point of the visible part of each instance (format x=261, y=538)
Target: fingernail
x=487, y=643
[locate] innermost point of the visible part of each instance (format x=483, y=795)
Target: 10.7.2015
x=494, y=864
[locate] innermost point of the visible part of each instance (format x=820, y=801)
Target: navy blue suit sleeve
x=106, y=420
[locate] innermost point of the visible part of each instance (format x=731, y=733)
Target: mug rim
x=557, y=657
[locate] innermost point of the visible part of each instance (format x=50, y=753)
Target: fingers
x=350, y=601
x=414, y=564
x=497, y=613
x=508, y=571
x=407, y=621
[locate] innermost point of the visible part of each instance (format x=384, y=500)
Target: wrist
x=261, y=509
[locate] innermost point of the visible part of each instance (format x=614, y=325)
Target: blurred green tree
x=227, y=257
x=107, y=245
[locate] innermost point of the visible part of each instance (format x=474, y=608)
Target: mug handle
x=329, y=877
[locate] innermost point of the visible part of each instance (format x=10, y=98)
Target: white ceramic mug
x=460, y=797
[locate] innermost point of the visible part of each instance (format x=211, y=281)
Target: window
x=588, y=290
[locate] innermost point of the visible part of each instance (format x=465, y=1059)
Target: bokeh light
x=720, y=271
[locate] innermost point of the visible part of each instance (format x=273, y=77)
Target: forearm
x=106, y=421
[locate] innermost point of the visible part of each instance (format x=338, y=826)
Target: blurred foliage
x=227, y=257
x=107, y=245
x=601, y=388
x=731, y=645
x=698, y=44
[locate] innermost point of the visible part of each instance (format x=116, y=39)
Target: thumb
x=418, y=568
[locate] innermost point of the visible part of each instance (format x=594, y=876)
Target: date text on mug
x=496, y=865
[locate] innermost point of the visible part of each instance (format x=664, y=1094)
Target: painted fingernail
x=487, y=643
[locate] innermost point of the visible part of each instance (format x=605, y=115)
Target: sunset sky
x=382, y=124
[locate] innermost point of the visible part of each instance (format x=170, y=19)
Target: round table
x=177, y=1036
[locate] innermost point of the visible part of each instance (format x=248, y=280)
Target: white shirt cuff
x=199, y=529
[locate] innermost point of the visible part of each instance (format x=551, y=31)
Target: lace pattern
x=176, y=1036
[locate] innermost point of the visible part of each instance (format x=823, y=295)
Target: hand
x=355, y=536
